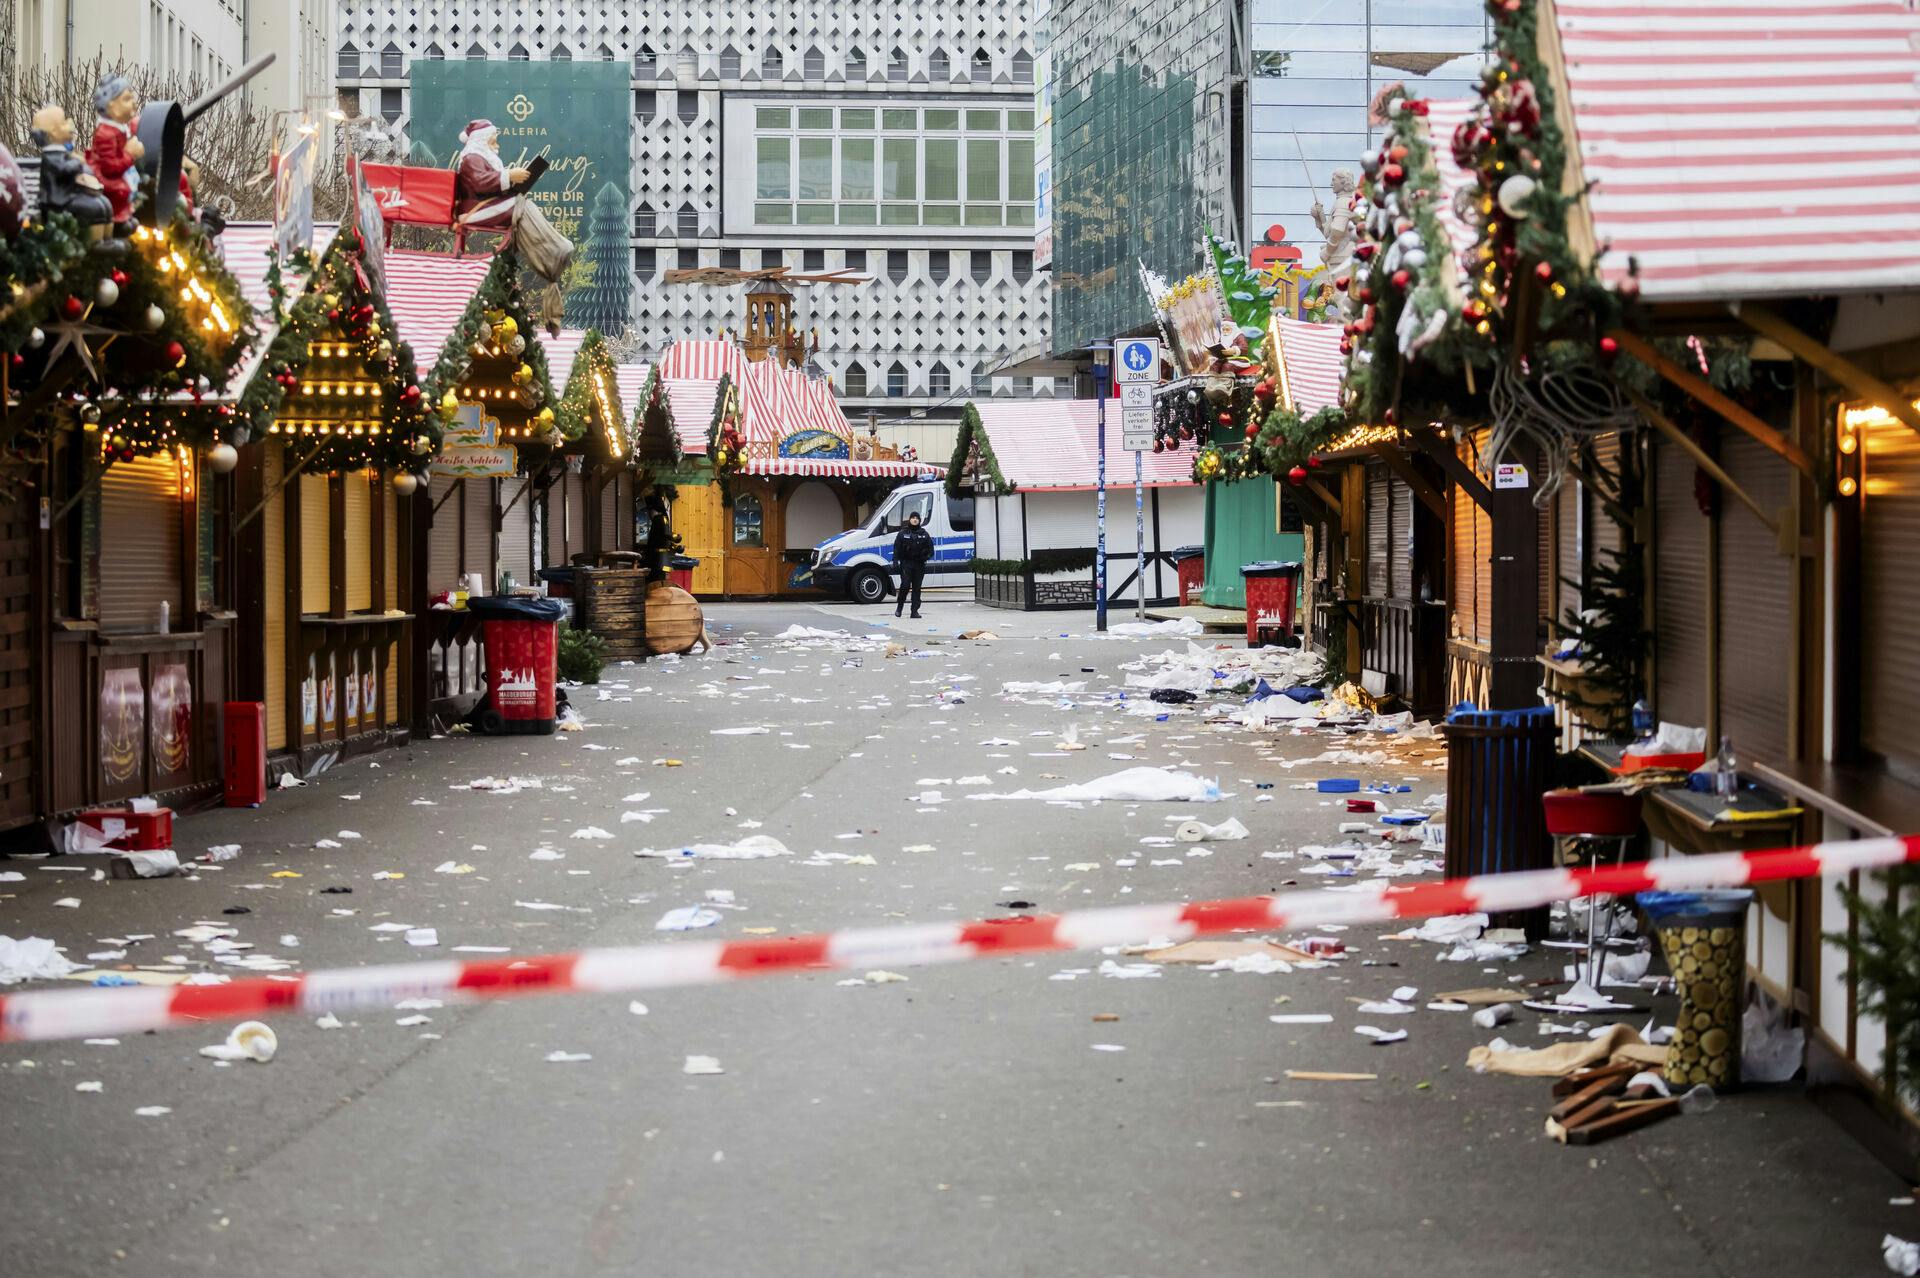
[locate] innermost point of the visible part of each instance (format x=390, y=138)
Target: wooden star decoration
x=74, y=334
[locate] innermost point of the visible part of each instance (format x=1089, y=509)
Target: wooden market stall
x=1032, y=467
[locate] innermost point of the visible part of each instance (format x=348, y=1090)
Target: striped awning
x=428, y=293
x=776, y=400
x=838, y=468
x=1311, y=359
x=1746, y=148
x=561, y=352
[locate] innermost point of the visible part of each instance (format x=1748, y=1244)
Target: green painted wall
x=1240, y=523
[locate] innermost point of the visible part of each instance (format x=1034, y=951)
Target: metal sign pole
x=1100, y=353
x=1139, y=540
x=1137, y=371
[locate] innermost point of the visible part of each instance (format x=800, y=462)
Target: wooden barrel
x=674, y=621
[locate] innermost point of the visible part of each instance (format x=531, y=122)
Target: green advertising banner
x=567, y=112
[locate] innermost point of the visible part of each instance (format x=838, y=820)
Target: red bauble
x=1341, y=282
x=1419, y=105
x=1393, y=174
x=1314, y=463
x=1297, y=476
x=1364, y=251
x=333, y=316
x=1544, y=271
x=1365, y=295
x=1609, y=348
x=410, y=394
x=1226, y=419
x=1390, y=416
x=18, y=361
x=1346, y=346
x=72, y=307
x=176, y=354
x=1397, y=154
x=1402, y=278
x=1159, y=446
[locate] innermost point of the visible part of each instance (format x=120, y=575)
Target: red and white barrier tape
x=83, y=1013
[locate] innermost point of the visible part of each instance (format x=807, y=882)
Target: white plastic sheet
x=1133, y=785
x=31, y=958
x=751, y=848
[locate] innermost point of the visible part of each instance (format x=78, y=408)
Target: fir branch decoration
x=31, y=264
x=973, y=432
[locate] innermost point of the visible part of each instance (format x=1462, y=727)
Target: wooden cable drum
x=674, y=620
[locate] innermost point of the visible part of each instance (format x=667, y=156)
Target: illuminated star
x=75, y=335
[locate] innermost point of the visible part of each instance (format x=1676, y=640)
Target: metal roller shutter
x=140, y=530
x=554, y=518
x=1606, y=536
x=359, y=540
x=1567, y=548
x=390, y=549
x=443, y=541
x=1679, y=591
x=576, y=515
x=1460, y=565
x=1379, y=530
x=1755, y=615
x=316, y=544
x=273, y=523
x=623, y=520
x=476, y=537
x=1400, y=540
x=516, y=529
x=1889, y=604
x=610, y=514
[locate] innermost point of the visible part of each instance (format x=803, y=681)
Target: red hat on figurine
x=474, y=129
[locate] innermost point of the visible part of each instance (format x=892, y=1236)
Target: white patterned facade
x=953, y=295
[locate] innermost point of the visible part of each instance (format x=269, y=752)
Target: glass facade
x=899, y=166
x=1142, y=153
x=1316, y=68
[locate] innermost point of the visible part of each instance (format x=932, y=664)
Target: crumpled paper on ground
x=1133, y=785
x=751, y=848
x=32, y=958
x=1200, y=832
x=1621, y=1042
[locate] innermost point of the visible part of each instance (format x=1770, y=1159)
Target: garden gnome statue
x=483, y=183
x=116, y=152
x=67, y=185
x=1340, y=226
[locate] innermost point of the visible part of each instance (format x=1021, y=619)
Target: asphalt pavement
x=971, y=1119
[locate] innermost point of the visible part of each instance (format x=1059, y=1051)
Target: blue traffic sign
x=1139, y=360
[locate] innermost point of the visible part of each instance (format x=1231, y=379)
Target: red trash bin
x=1191, y=563
x=523, y=656
x=1271, y=586
x=680, y=571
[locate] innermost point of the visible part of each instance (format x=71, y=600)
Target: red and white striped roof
x=561, y=352
x=428, y=293
x=1311, y=359
x=632, y=381
x=1443, y=118
x=839, y=468
x=1054, y=444
x=1743, y=148
x=244, y=248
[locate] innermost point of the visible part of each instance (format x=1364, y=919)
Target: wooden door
x=702, y=523
x=753, y=538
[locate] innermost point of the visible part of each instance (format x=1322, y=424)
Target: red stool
x=1594, y=818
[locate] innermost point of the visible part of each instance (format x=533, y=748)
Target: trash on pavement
x=1902, y=1257
x=1134, y=785
x=249, y=1041
x=1200, y=832
x=567, y=1058
x=686, y=918
x=753, y=847
x=702, y=1065
x=1230, y=956
x=1619, y=1044
x=1329, y=1076
x=32, y=958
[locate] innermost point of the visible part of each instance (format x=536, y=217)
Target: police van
x=859, y=562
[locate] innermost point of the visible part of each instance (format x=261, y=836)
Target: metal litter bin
x=1499, y=763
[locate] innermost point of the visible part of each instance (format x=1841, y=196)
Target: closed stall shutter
x=140, y=546
x=443, y=542
x=1606, y=535
x=359, y=540
x=1379, y=535
x=273, y=573
x=1460, y=565
x=390, y=595
x=1754, y=611
x=1679, y=591
x=1543, y=560
x=1889, y=604
x=1400, y=541
x=576, y=515
x=610, y=515
x=477, y=538
x=316, y=549
x=1567, y=548
x=555, y=517
x=623, y=521
x=516, y=529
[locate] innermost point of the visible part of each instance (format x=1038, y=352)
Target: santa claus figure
x=116, y=151
x=483, y=184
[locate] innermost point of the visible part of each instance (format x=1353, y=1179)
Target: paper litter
x=32, y=958
x=702, y=1065
x=686, y=918
x=1200, y=832
x=753, y=847
x=1133, y=785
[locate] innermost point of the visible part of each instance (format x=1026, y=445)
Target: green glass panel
x=1019, y=215
x=813, y=178
x=816, y=117
x=983, y=121
x=983, y=215
x=773, y=214
x=943, y=215
x=898, y=121
x=1020, y=169
x=860, y=118
x=983, y=170
x=943, y=168
x=773, y=181
x=772, y=117
x=942, y=121
x=1019, y=121
x=900, y=215
x=856, y=168
x=856, y=215
x=816, y=215
x=899, y=169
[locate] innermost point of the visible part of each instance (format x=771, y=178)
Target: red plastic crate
x=1575, y=812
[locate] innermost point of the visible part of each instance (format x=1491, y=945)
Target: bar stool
x=1595, y=819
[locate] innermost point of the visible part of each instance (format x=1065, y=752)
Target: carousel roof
x=1746, y=150
x=1311, y=359
x=1054, y=444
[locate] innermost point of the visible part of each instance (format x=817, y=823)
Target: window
x=686, y=104
x=1022, y=265
x=646, y=263
x=982, y=64
x=1022, y=67
x=814, y=64
x=813, y=259
x=896, y=380
x=518, y=53
x=897, y=265
x=644, y=103
x=773, y=169
x=772, y=118
x=939, y=262
x=729, y=63
x=435, y=53
x=920, y=504
x=646, y=63
x=819, y=118
x=856, y=377
x=939, y=66
x=604, y=53
x=982, y=266
x=1023, y=386
x=390, y=105
x=899, y=169
x=960, y=514
x=856, y=169
x=347, y=63
x=687, y=66
x=393, y=63
x=770, y=64
x=897, y=65
x=476, y=52
x=687, y=259
x=749, y=526
x=687, y=221
x=1019, y=169
x=856, y=66
x=813, y=174
x=730, y=258
x=982, y=382
x=939, y=380
x=561, y=53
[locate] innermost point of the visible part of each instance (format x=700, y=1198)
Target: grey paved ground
x=958, y=1123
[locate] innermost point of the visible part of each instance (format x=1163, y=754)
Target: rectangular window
x=816, y=215
x=983, y=215
x=730, y=258
x=813, y=259
x=983, y=171
x=856, y=169
x=942, y=121
x=687, y=259
x=897, y=121
x=774, y=181
x=983, y=121
x=816, y=117
x=897, y=265
x=1020, y=169
x=1019, y=215
x=813, y=176
x=857, y=215
x=772, y=117
x=861, y=119
x=1019, y=121
x=687, y=105
x=900, y=215
x=943, y=214
x=645, y=263
x=899, y=169
x=943, y=168
x=773, y=214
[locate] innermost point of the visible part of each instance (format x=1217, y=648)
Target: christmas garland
x=726, y=445
x=574, y=416
x=30, y=264
x=498, y=308
x=973, y=431
x=653, y=398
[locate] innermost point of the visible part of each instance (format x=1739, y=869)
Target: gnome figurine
x=116, y=151
x=67, y=185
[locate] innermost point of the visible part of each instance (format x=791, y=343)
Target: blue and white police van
x=859, y=562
